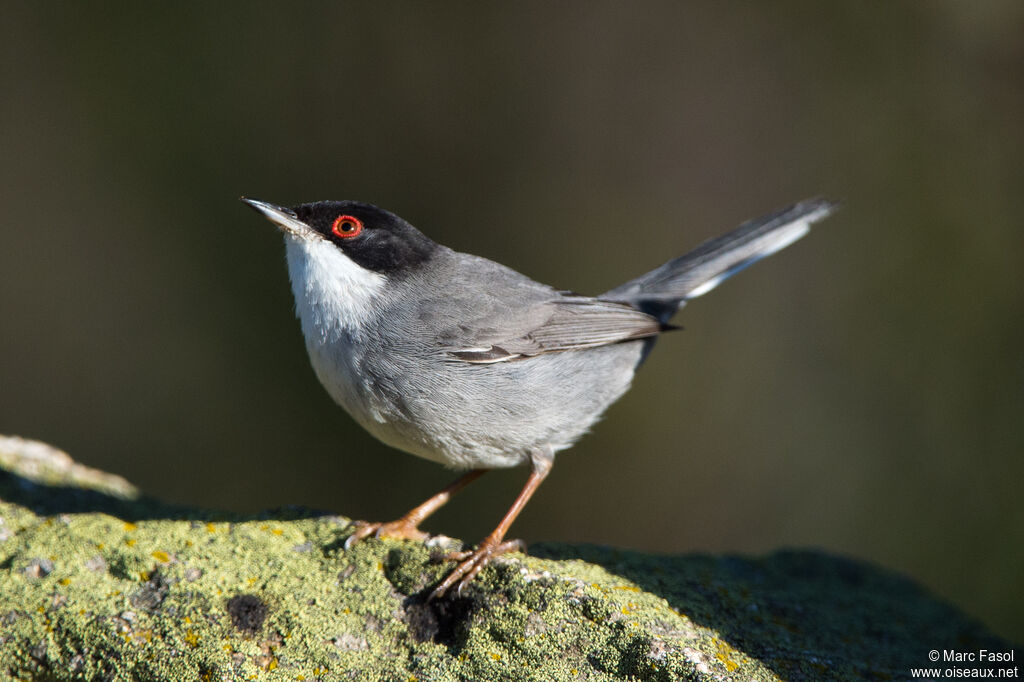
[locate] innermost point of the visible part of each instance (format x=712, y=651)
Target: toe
x=396, y=530
x=471, y=563
x=363, y=530
x=400, y=531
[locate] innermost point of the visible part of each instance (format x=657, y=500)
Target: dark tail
x=664, y=290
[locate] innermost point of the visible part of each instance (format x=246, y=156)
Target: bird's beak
x=283, y=217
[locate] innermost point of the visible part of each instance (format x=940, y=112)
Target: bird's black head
x=371, y=237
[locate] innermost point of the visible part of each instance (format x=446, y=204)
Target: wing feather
x=562, y=324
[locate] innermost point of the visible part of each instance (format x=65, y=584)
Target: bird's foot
x=399, y=530
x=472, y=562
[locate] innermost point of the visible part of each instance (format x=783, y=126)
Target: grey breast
x=493, y=413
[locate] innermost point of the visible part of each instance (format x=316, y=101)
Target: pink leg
x=407, y=527
x=471, y=562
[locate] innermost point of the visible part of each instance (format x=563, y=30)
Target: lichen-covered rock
x=99, y=583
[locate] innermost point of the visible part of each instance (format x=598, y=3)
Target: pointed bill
x=282, y=217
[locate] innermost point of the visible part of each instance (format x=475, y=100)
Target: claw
x=472, y=562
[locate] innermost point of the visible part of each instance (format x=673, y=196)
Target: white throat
x=333, y=295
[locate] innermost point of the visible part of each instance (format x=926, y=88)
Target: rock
x=99, y=582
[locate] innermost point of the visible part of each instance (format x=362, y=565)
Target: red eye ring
x=347, y=226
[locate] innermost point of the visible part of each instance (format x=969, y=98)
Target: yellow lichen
x=724, y=653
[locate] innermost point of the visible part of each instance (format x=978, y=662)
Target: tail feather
x=664, y=290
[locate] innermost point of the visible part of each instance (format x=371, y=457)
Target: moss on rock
x=115, y=586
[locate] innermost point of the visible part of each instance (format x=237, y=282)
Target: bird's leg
x=471, y=562
x=407, y=527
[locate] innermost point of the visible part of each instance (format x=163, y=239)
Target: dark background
x=859, y=392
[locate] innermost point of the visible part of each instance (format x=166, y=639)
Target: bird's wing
x=562, y=324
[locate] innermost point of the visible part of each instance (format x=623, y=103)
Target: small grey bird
x=463, y=361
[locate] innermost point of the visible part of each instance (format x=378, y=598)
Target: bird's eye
x=346, y=226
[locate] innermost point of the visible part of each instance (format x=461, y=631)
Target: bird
x=471, y=364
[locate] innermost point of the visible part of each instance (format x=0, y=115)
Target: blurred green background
x=862, y=391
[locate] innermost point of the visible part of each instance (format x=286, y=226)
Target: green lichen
x=160, y=593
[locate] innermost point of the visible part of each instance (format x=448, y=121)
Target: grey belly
x=465, y=415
